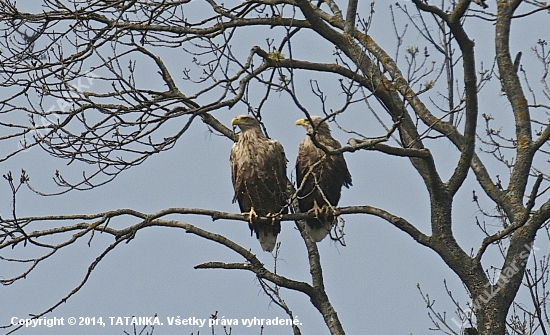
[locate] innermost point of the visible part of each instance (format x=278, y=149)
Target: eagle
x=258, y=172
x=320, y=176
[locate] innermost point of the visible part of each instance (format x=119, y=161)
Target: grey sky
x=371, y=282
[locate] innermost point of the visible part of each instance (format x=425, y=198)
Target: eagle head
x=322, y=127
x=245, y=122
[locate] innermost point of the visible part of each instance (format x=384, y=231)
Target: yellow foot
x=273, y=217
x=318, y=211
x=327, y=211
x=251, y=215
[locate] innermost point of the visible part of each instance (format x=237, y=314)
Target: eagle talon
x=328, y=211
x=273, y=218
x=321, y=213
x=251, y=215
x=318, y=211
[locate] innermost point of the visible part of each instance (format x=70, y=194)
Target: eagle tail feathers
x=267, y=238
x=318, y=230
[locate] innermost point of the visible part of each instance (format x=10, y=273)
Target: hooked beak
x=301, y=122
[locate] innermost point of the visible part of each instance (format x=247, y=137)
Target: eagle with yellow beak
x=320, y=176
x=258, y=172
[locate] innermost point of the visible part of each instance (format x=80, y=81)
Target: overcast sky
x=372, y=282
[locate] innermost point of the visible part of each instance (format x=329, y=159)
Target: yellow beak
x=302, y=122
x=235, y=121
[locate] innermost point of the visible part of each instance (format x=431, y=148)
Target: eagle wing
x=238, y=167
x=278, y=162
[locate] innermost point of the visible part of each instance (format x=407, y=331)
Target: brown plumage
x=258, y=171
x=320, y=177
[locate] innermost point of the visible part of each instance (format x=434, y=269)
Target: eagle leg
x=328, y=212
x=274, y=217
x=251, y=216
x=318, y=211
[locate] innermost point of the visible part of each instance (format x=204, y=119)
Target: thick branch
x=183, y=30
x=349, y=25
x=470, y=85
x=356, y=144
x=397, y=221
x=514, y=92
